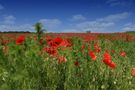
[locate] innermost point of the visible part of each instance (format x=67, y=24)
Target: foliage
x=39, y=30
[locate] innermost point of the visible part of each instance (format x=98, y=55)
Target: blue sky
x=68, y=15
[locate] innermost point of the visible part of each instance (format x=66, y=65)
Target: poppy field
x=67, y=61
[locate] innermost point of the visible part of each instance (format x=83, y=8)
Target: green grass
x=23, y=67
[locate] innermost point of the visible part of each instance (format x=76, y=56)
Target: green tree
x=39, y=30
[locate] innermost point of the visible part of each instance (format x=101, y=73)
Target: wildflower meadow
x=70, y=61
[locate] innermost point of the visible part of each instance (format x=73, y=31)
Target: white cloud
x=102, y=24
x=8, y=24
x=94, y=26
x=115, y=17
x=128, y=24
x=9, y=19
x=1, y=7
x=78, y=17
x=51, y=23
x=129, y=27
x=24, y=27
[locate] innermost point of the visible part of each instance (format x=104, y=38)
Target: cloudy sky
x=68, y=15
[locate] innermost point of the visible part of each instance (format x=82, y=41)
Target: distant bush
x=88, y=31
x=130, y=31
x=15, y=32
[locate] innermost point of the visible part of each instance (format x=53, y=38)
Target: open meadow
x=67, y=61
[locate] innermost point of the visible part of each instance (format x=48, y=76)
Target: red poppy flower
x=50, y=50
x=112, y=65
x=65, y=43
x=82, y=47
x=97, y=48
x=133, y=72
x=113, y=51
x=76, y=63
x=20, y=40
x=96, y=45
x=59, y=42
x=3, y=42
x=123, y=53
x=107, y=60
x=106, y=51
x=92, y=55
x=107, y=56
x=48, y=39
x=41, y=41
x=55, y=42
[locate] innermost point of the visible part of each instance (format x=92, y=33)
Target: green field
x=66, y=64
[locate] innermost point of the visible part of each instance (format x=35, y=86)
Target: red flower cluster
x=53, y=45
x=96, y=50
x=48, y=38
x=50, y=50
x=20, y=40
x=107, y=60
x=56, y=42
x=92, y=55
x=133, y=72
